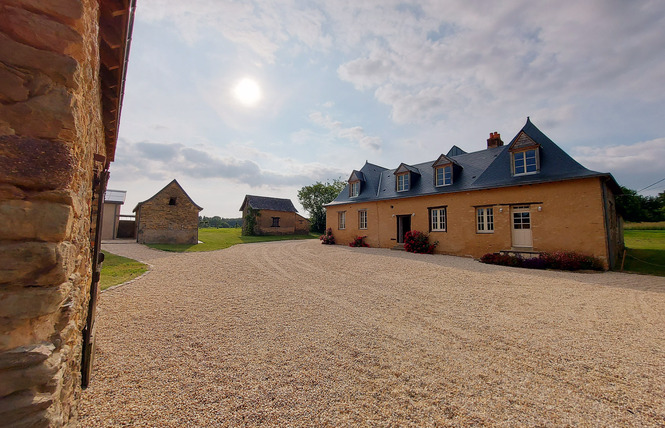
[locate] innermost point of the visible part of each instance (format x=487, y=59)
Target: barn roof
x=174, y=181
x=268, y=203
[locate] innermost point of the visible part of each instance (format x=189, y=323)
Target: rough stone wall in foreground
x=50, y=128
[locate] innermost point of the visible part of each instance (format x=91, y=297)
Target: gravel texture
x=296, y=333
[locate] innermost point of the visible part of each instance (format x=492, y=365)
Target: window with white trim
x=485, y=220
x=525, y=162
x=444, y=176
x=438, y=219
x=354, y=189
x=341, y=220
x=362, y=219
x=402, y=182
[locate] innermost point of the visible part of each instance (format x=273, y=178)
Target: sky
x=264, y=97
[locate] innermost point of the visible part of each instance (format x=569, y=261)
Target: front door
x=403, y=226
x=522, y=227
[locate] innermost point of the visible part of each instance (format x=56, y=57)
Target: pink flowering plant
x=418, y=242
x=359, y=241
x=560, y=260
x=328, y=238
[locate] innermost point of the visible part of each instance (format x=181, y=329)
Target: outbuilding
x=273, y=216
x=169, y=217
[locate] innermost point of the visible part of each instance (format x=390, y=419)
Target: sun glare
x=247, y=91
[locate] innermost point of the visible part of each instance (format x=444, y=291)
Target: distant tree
x=215, y=221
x=314, y=197
x=637, y=208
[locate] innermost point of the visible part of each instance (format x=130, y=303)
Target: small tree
x=314, y=197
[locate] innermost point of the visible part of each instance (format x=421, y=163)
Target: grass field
x=218, y=239
x=117, y=269
x=645, y=251
x=660, y=225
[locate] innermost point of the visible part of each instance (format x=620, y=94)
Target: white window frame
x=354, y=189
x=443, y=181
x=362, y=219
x=438, y=217
x=522, y=155
x=341, y=220
x=485, y=220
x=403, y=182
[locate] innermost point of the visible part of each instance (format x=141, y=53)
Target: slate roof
x=484, y=169
x=267, y=203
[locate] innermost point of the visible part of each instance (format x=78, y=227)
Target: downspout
x=608, y=238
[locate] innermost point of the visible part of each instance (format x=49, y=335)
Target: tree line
x=219, y=222
x=637, y=208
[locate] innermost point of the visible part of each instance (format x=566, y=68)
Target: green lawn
x=659, y=225
x=645, y=251
x=217, y=239
x=117, y=269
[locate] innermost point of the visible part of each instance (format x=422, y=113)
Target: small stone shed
x=169, y=217
x=277, y=216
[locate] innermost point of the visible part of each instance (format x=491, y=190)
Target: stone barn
x=169, y=217
x=276, y=216
x=62, y=74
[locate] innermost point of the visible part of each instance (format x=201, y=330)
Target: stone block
x=63, y=10
x=24, y=261
x=60, y=68
x=13, y=380
x=43, y=116
x=11, y=85
x=35, y=163
x=24, y=408
x=25, y=356
x=40, y=31
x=31, y=302
x=38, y=220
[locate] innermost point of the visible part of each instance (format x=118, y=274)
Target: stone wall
x=169, y=217
x=50, y=129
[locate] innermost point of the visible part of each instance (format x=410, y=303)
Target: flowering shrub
x=418, y=242
x=358, y=242
x=562, y=260
x=328, y=238
x=569, y=260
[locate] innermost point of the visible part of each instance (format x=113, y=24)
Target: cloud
x=355, y=133
x=634, y=166
x=161, y=161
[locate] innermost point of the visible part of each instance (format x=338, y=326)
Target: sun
x=247, y=91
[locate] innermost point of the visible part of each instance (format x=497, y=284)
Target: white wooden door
x=522, y=227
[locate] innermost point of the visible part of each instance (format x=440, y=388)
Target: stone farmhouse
x=276, y=216
x=526, y=196
x=62, y=73
x=170, y=216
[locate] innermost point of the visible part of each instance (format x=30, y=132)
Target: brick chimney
x=494, y=140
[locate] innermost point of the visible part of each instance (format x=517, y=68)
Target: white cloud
x=355, y=133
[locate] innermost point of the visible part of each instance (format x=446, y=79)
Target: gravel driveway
x=296, y=333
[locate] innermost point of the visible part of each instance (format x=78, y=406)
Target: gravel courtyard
x=296, y=333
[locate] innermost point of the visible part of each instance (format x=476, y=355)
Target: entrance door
x=522, y=227
x=403, y=226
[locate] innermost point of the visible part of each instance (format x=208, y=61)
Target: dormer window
x=405, y=177
x=443, y=176
x=354, y=189
x=524, y=155
x=403, y=182
x=525, y=162
x=445, y=169
x=354, y=183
